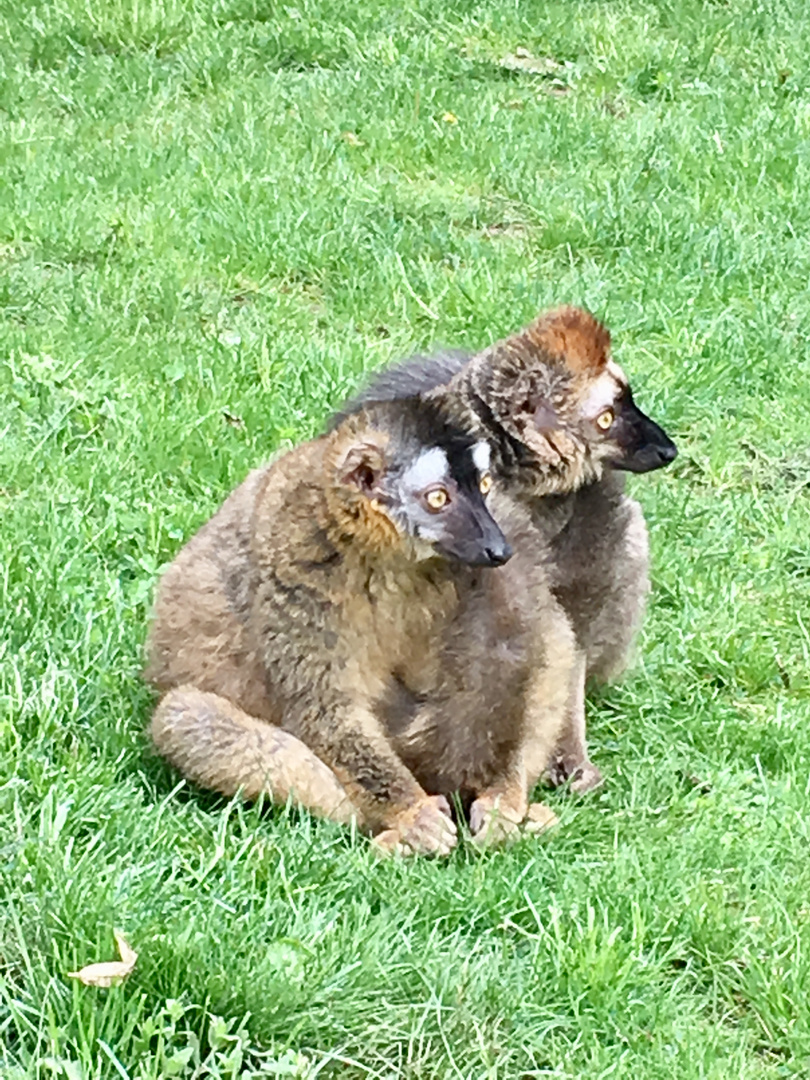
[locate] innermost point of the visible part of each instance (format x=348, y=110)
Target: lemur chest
x=455, y=721
x=398, y=628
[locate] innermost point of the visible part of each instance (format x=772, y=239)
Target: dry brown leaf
x=512, y=229
x=522, y=60
x=110, y=972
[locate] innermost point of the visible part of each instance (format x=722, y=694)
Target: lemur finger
x=539, y=818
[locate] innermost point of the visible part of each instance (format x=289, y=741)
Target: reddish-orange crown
x=573, y=337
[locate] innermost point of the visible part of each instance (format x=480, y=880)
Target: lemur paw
x=426, y=829
x=586, y=778
x=580, y=777
x=539, y=818
x=492, y=825
x=493, y=822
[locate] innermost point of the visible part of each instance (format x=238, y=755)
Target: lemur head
x=564, y=406
x=401, y=476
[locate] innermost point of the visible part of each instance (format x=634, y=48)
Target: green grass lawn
x=214, y=216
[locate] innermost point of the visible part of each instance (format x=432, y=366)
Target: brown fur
x=300, y=606
x=485, y=721
x=547, y=370
x=243, y=753
x=502, y=389
x=526, y=394
x=572, y=337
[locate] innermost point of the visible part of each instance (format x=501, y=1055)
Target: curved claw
x=490, y=827
x=580, y=778
x=539, y=818
x=427, y=829
x=586, y=778
x=493, y=823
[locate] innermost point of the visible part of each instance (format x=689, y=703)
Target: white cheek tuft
x=431, y=467
x=482, y=455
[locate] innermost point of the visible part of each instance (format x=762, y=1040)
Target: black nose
x=667, y=453
x=497, y=556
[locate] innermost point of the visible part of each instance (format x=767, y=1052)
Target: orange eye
x=605, y=419
x=437, y=499
x=485, y=483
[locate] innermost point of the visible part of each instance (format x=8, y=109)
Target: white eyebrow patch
x=430, y=467
x=602, y=395
x=481, y=456
x=613, y=368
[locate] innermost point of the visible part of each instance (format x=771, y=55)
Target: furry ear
x=361, y=465
x=544, y=433
x=545, y=417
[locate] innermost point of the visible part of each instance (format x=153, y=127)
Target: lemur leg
x=570, y=761
x=217, y=745
x=501, y=812
x=549, y=699
x=610, y=634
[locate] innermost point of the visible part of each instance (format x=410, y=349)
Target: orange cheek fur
x=356, y=518
x=378, y=530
